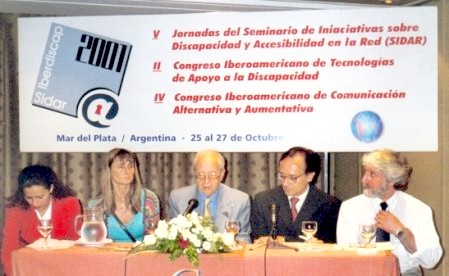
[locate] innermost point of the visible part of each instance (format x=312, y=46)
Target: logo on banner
x=366, y=126
x=81, y=74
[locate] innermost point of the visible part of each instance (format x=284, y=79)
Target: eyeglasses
x=211, y=176
x=291, y=178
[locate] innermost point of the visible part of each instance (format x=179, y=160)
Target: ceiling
x=121, y=7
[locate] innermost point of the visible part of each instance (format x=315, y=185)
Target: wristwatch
x=401, y=234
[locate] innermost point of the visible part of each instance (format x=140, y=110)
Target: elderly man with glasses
x=295, y=199
x=221, y=202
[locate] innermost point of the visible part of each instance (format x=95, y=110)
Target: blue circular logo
x=366, y=126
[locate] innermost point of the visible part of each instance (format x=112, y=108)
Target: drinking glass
x=309, y=228
x=367, y=233
x=233, y=227
x=45, y=229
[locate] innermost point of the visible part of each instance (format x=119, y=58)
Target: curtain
x=161, y=172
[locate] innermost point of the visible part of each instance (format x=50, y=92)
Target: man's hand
x=388, y=222
x=391, y=224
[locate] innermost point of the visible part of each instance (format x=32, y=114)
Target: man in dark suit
x=296, y=199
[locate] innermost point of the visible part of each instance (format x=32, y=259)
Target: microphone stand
x=271, y=241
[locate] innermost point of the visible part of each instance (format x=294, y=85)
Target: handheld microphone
x=274, y=231
x=193, y=203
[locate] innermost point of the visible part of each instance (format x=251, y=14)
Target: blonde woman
x=129, y=207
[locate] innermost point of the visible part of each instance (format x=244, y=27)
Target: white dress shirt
x=413, y=214
x=47, y=214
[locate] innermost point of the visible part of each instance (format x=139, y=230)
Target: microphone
x=274, y=231
x=193, y=203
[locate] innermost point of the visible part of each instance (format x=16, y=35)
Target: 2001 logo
x=84, y=71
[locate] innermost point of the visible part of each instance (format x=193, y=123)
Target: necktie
x=381, y=235
x=206, y=208
x=293, y=212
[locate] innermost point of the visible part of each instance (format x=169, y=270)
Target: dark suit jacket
x=317, y=206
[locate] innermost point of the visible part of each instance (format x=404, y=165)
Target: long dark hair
x=38, y=175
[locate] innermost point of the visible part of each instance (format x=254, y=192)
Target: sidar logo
x=99, y=109
x=81, y=72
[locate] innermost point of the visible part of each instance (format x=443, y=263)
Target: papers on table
x=52, y=244
x=315, y=247
x=379, y=246
x=321, y=247
x=93, y=244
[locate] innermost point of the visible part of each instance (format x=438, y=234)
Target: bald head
x=208, y=166
x=209, y=156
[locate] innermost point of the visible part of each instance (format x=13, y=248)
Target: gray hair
x=394, y=167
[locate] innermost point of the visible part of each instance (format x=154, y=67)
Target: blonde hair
x=107, y=198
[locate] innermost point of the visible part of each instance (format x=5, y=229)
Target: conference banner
x=345, y=80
